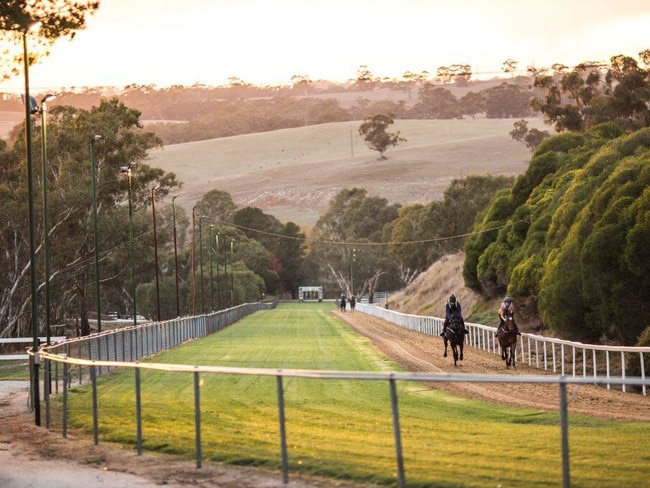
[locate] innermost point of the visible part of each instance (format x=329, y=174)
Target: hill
x=294, y=173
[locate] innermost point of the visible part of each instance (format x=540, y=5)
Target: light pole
x=216, y=256
x=178, y=302
x=210, y=252
x=193, y=260
x=201, y=263
x=127, y=171
x=93, y=185
x=46, y=226
x=155, y=248
x=352, y=259
x=32, y=232
x=232, y=274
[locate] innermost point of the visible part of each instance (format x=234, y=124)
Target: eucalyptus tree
x=57, y=18
x=595, y=92
x=121, y=142
x=373, y=130
x=354, y=230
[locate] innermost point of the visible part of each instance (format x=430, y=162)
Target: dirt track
x=421, y=352
x=31, y=456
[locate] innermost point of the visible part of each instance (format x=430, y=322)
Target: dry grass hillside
x=294, y=173
x=429, y=292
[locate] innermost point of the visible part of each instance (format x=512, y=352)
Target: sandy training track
x=31, y=456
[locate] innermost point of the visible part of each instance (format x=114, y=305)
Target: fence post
x=138, y=412
x=283, y=432
x=565, y=435
x=93, y=380
x=197, y=418
x=398, y=435
x=47, y=392
x=64, y=420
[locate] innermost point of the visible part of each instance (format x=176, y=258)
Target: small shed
x=310, y=293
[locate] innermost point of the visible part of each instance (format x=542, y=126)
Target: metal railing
x=569, y=358
x=390, y=378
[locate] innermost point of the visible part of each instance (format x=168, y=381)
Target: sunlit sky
x=174, y=42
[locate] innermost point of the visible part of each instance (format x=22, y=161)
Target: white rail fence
x=567, y=358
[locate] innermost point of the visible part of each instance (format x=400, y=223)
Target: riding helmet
x=507, y=299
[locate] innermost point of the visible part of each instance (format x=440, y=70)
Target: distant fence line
x=564, y=357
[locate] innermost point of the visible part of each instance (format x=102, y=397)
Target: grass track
x=342, y=428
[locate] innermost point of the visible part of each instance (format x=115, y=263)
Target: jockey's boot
x=442, y=334
x=465, y=331
x=517, y=330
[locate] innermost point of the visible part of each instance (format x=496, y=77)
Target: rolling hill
x=294, y=173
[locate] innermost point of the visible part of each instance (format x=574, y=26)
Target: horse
x=507, y=338
x=353, y=302
x=454, y=335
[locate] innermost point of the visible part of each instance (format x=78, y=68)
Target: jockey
x=507, y=309
x=452, y=307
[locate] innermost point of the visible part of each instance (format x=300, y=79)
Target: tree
x=70, y=213
x=471, y=104
x=355, y=229
x=593, y=93
x=291, y=254
x=59, y=18
x=530, y=137
x=507, y=100
x=435, y=102
x=373, y=130
x=509, y=66
x=216, y=206
x=460, y=73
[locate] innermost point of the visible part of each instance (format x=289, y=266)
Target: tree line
x=219, y=255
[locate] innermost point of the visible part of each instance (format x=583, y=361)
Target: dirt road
x=33, y=457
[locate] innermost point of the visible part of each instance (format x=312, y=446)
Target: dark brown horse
x=455, y=336
x=507, y=338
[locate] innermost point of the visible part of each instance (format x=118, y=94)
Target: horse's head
x=455, y=323
x=508, y=324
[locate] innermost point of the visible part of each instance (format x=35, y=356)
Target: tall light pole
x=127, y=171
x=216, y=256
x=201, y=264
x=193, y=259
x=155, y=248
x=353, y=257
x=93, y=185
x=46, y=226
x=232, y=274
x=178, y=302
x=32, y=232
x=210, y=253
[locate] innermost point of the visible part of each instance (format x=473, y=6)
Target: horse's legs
x=445, y=354
x=461, y=351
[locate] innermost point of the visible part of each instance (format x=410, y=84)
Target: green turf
x=16, y=370
x=343, y=429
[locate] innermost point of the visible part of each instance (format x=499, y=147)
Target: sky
x=173, y=42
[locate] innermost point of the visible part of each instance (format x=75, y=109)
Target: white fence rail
x=567, y=358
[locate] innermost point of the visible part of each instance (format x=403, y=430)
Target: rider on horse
x=507, y=309
x=453, y=308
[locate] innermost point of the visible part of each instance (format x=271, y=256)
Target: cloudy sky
x=166, y=42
